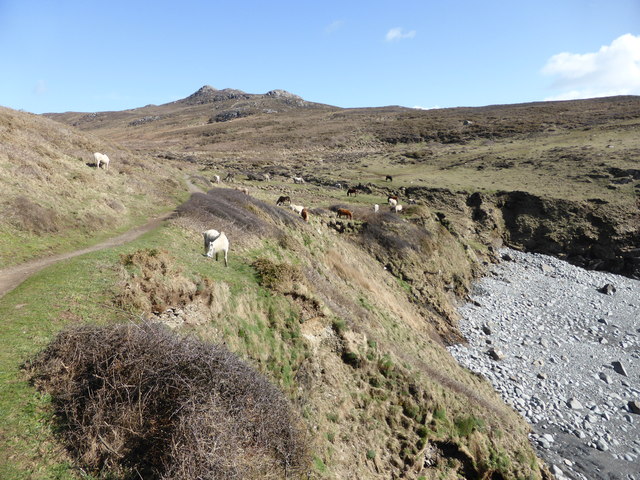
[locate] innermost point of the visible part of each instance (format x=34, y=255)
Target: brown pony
x=343, y=212
x=283, y=199
x=352, y=191
x=305, y=215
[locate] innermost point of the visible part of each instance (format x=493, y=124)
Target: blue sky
x=68, y=55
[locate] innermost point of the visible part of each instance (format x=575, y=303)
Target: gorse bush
x=137, y=401
x=278, y=277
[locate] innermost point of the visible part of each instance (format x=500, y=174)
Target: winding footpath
x=565, y=353
x=11, y=277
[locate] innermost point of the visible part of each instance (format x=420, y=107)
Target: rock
x=547, y=268
x=619, y=368
x=606, y=378
x=608, y=289
x=574, y=404
x=602, y=445
x=634, y=407
x=496, y=354
x=487, y=328
x=542, y=376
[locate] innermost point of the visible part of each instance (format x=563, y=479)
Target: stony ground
x=565, y=353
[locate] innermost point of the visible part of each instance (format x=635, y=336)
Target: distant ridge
x=209, y=94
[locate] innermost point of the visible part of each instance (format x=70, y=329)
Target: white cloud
x=333, y=26
x=398, y=33
x=612, y=70
x=40, y=88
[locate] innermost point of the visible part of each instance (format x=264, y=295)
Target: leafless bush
x=234, y=212
x=137, y=401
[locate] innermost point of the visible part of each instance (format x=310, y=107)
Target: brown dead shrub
x=27, y=215
x=137, y=401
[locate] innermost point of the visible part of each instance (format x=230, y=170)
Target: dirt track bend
x=11, y=277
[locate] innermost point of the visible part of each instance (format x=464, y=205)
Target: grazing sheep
x=343, y=212
x=101, y=159
x=389, y=178
x=244, y=190
x=216, y=242
x=396, y=208
x=296, y=208
x=209, y=236
x=298, y=179
x=376, y=207
x=229, y=178
x=216, y=179
x=393, y=201
x=282, y=200
x=305, y=215
x=352, y=192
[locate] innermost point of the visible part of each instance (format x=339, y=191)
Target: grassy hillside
x=347, y=340
x=572, y=150
x=54, y=199
x=348, y=318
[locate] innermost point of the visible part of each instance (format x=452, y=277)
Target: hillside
x=573, y=150
x=576, y=159
x=54, y=199
x=348, y=318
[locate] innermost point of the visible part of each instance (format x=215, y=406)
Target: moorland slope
x=349, y=318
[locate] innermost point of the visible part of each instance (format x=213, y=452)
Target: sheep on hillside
x=214, y=243
x=101, y=159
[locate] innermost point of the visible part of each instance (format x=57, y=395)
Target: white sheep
x=376, y=207
x=393, y=202
x=396, y=208
x=216, y=179
x=101, y=158
x=297, y=208
x=209, y=236
x=215, y=242
x=298, y=179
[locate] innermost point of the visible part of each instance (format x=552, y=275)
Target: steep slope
x=54, y=199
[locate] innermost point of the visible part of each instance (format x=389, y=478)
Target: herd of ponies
x=216, y=242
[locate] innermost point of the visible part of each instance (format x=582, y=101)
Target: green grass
x=32, y=314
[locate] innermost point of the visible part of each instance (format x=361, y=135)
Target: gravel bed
x=562, y=346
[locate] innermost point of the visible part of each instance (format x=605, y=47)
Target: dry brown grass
x=140, y=402
x=51, y=191
x=151, y=283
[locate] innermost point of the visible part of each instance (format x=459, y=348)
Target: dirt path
x=11, y=277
